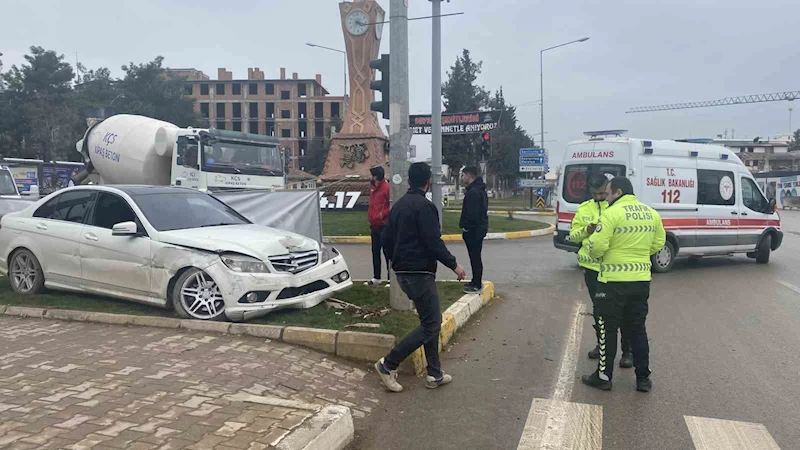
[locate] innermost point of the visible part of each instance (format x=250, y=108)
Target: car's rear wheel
x=25, y=273
x=197, y=296
x=664, y=259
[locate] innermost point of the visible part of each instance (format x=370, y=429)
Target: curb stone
x=364, y=346
x=316, y=338
x=448, y=237
x=24, y=311
x=264, y=331
x=158, y=322
x=453, y=318
x=203, y=325
x=110, y=319
x=66, y=314
x=329, y=429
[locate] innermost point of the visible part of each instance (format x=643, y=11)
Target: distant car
x=165, y=246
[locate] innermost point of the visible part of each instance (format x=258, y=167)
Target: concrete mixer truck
x=129, y=149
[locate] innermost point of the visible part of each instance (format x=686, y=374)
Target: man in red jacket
x=378, y=215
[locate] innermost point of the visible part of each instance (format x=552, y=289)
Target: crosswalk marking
x=559, y=425
x=717, y=434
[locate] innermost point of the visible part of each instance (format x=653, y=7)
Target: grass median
x=355, y=223
x=321, y=316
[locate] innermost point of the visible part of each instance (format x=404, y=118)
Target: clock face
x=726, y=188
x=356, y=22
x=379, y=25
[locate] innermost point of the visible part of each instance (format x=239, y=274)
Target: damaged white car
x=165, y=246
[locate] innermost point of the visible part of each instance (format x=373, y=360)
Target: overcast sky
x=640, y=53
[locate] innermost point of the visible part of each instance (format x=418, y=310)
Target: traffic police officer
x=629, y=232
x=583, y=225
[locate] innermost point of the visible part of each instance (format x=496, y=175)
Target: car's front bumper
x=285, y=290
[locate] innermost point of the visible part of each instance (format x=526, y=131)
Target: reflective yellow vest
x=588, y=212
x=628, y=234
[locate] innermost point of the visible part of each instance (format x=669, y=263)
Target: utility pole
x=436, y=107
x=399, y=132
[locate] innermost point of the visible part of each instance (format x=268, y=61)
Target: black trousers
x=376, y=254
x=590, y=276
x=474, y=242
x=623, y=305
x=421, y=289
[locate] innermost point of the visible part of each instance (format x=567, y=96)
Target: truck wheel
x=196, y=296
x=764, y=249
x=25, y=273
x=664, y=259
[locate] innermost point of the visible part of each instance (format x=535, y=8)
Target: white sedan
x=165, y=246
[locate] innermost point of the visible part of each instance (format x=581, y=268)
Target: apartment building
x=764, y=154
x=295, y=110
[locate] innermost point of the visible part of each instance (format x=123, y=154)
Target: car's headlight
x=328, y=253
x=244, y=264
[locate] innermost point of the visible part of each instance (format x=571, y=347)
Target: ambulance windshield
x=576, y=188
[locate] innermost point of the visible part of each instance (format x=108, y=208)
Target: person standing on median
x=377, y=215
x=583, y=225
x=475, y=223
x=628, y=234
x=413, y=243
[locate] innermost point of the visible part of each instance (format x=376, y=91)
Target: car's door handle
x=734, y=212
x=744, y=214
x=90, y=237
x=41, y=226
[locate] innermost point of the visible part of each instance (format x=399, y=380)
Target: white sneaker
x=388, y=284
x=373, y=282
x=390, y=379
x=433, y=383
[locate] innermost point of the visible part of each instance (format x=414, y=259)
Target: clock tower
x=360, y=144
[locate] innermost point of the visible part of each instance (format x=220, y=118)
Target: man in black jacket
x=413, y=243
x=475, y=223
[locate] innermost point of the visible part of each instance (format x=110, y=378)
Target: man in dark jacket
x=413, y=242
x=475, y=223
x=377, y=215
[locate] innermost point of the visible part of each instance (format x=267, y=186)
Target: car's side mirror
x=773, y=206
x=125, y=229
x=33, y=190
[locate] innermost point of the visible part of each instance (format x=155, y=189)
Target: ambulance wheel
x=764, y=249
x=664, y=259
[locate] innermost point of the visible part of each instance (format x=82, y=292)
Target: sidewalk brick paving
x=81, y=386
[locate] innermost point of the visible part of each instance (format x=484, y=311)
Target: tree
x=507, y=139
x=461, y=94
x=794, y=145
x=148, y=91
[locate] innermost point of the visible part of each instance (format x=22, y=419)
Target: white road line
x=789, y=285
x=717, y=434
x=565, y=424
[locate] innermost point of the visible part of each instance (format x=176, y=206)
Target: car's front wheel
x=664, y=259
x=25, y=273
x=197, y=296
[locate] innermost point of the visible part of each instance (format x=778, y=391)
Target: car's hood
x=254, y=240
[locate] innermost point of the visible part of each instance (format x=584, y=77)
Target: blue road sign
x=540, y=192
x=532, y=160
x=532, y=152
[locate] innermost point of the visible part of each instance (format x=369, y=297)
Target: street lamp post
x=541, y=80
x=344, y=54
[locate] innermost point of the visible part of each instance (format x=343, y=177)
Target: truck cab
x=219, y=160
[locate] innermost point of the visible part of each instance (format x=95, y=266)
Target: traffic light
x=486, y=145
x=382, y=85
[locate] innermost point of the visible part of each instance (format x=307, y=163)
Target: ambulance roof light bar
x=604, y=133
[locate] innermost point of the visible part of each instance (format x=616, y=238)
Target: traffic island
x=352, y=227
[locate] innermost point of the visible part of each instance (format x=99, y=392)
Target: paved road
x=724, y=336
x=81, y=386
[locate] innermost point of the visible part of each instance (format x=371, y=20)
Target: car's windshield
x=7, y=186
x=226, y=156
x=183, y=210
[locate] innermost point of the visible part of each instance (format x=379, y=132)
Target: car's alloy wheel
x=26, y=273
x=664, y=259
x=200, y=297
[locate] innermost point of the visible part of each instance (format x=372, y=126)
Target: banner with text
x=457, y=123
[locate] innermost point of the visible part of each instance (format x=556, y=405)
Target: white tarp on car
x=292, y=210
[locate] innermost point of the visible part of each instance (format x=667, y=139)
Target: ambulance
x=709, y=202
